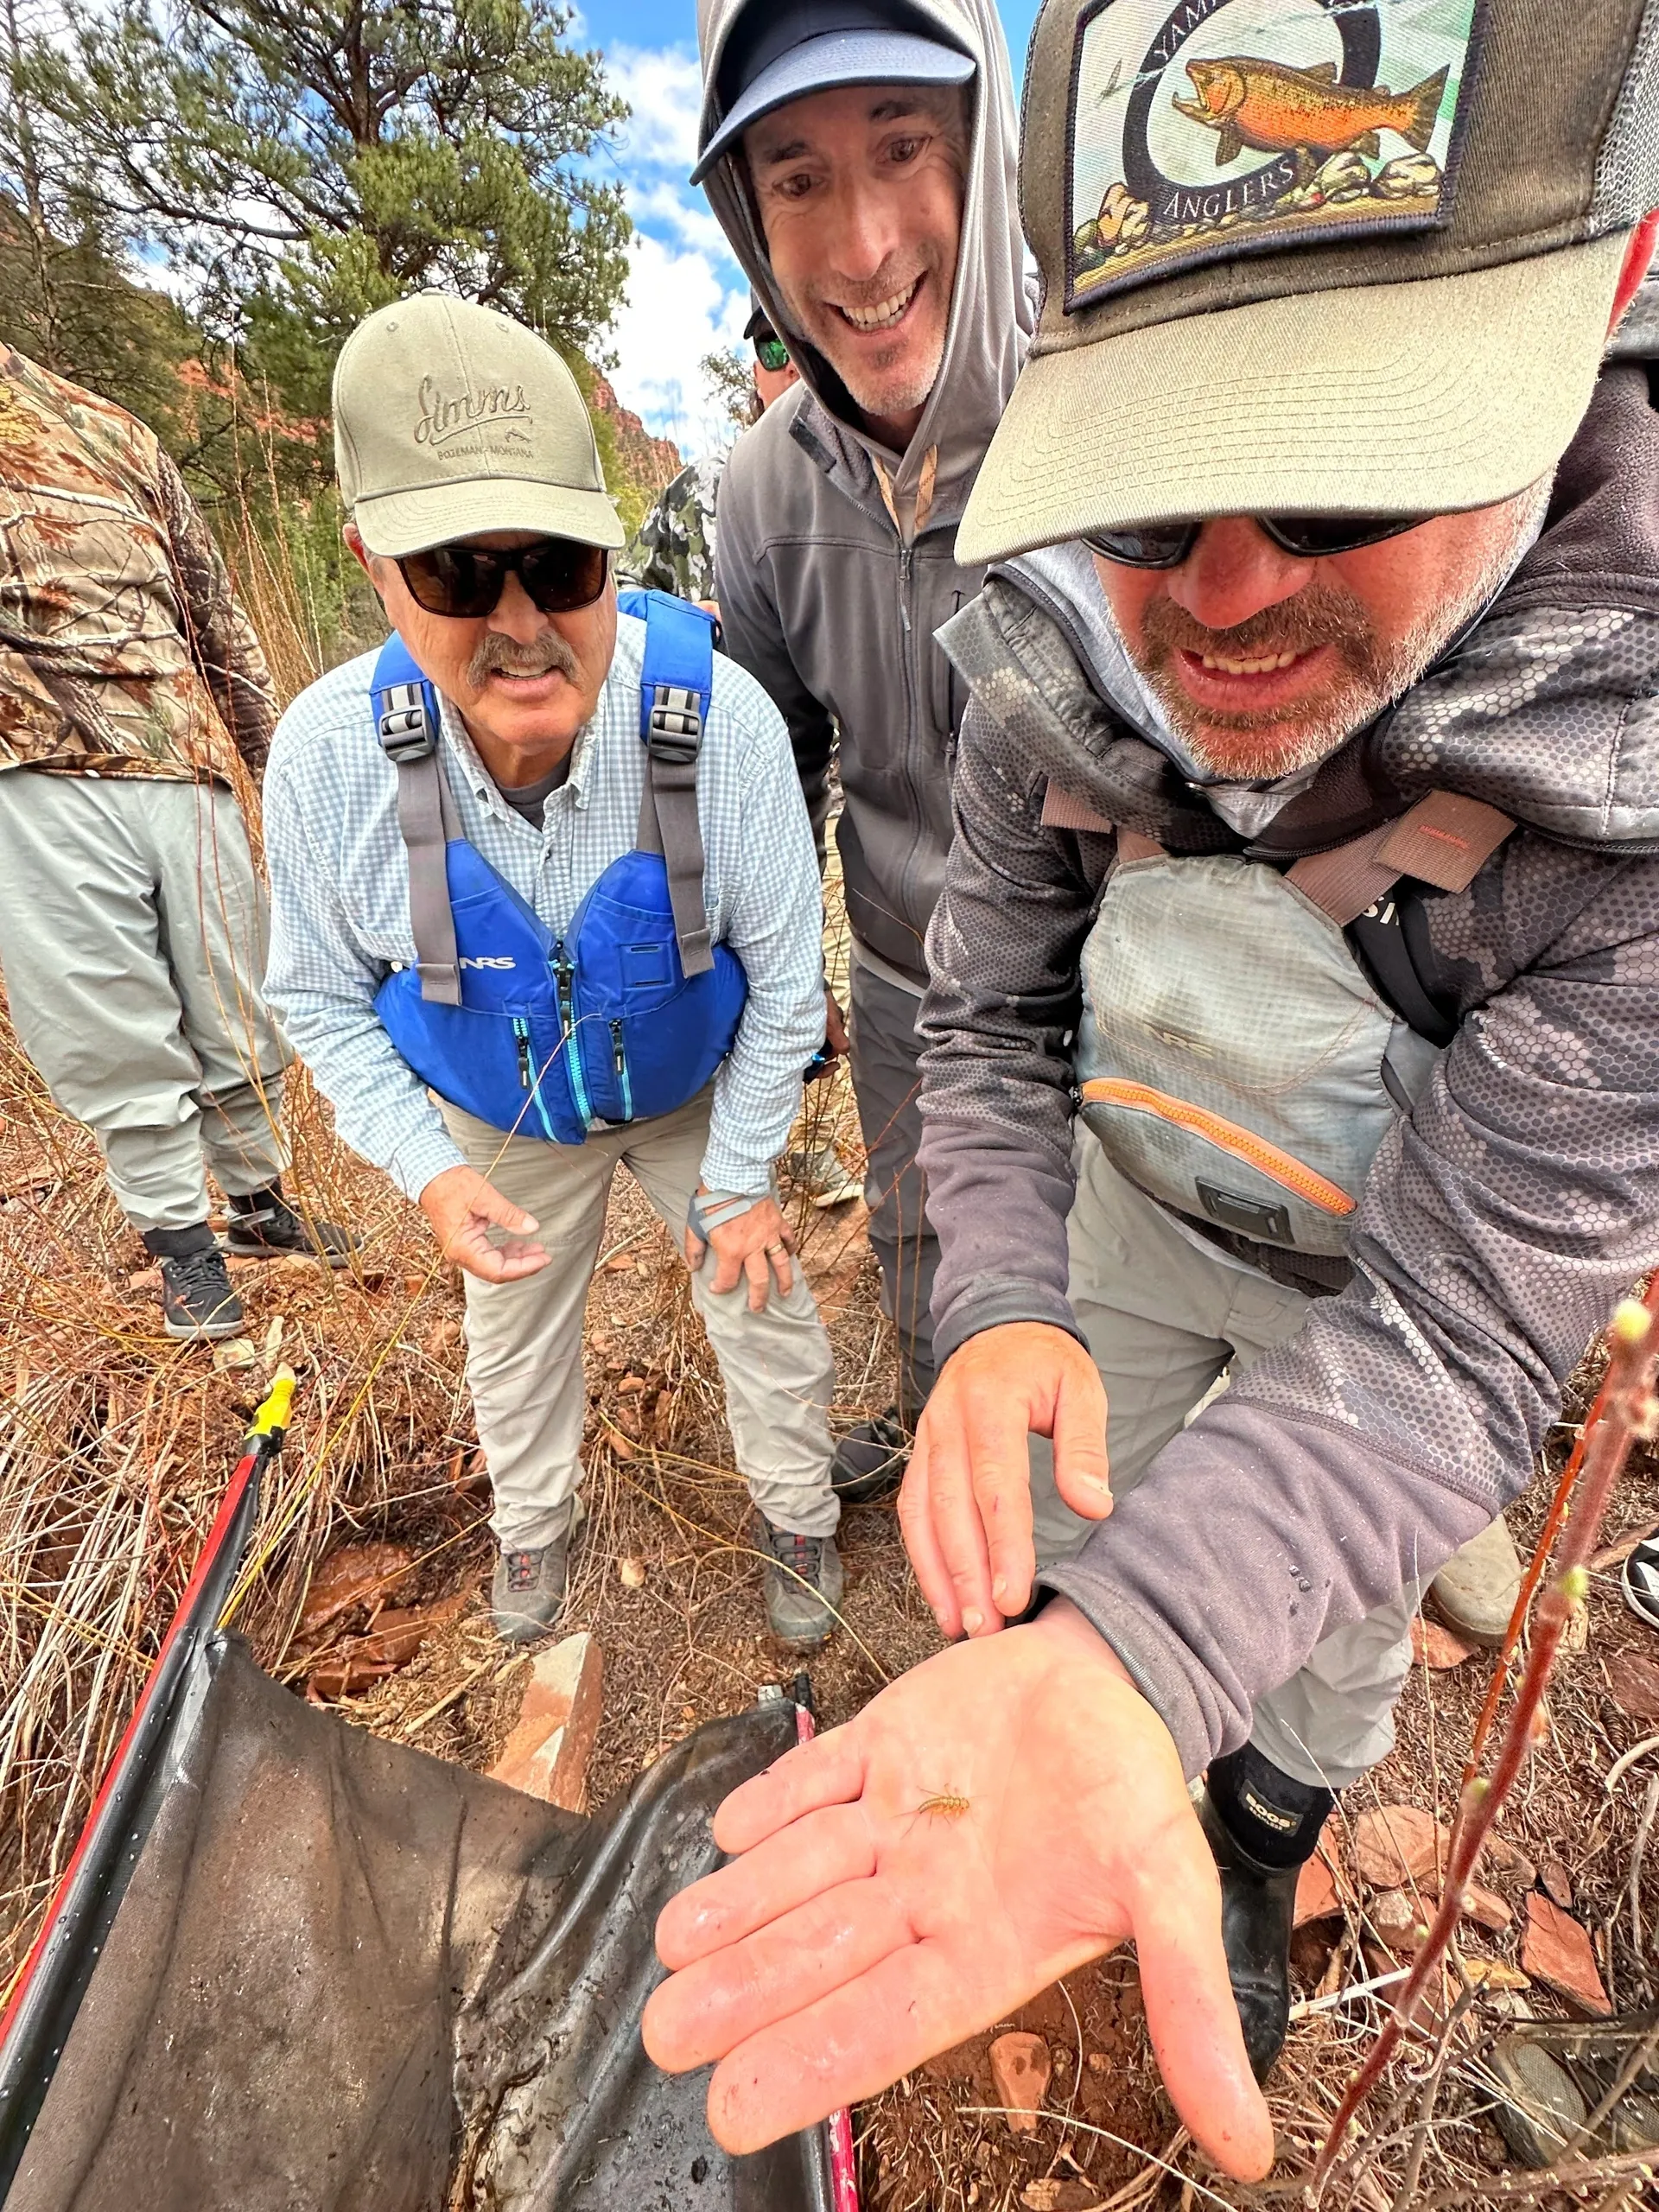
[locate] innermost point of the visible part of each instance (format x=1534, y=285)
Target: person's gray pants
x=886, y=1085
x=1165, y=1319
x=132, y=940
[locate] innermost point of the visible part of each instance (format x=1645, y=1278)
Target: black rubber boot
x=263, y=1226
x=870, y=1460
x=1263, y=1826
x=197, y=1299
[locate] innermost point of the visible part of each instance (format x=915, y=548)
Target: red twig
x=1629, y=1411
x=1539, y=1561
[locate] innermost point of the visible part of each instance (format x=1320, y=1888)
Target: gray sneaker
x=527, y=1591
x=802, y=1584
x=821, y=1177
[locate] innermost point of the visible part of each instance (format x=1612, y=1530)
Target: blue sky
x=685, y=293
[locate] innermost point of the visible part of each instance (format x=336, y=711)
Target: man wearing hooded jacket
x=1343, y=732
x=860, y=155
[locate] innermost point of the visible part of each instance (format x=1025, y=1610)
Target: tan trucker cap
x=1314, y=256
x=451, y=420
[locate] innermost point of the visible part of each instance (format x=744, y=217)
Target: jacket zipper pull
x=618, y=1057
x=521, y=1037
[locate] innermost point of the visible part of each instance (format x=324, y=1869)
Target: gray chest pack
x=1233, y=1056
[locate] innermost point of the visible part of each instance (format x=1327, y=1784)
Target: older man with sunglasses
x=545, y=900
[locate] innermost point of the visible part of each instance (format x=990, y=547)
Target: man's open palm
x=996, y=1818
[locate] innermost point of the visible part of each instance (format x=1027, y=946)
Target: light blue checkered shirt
x=340, y=897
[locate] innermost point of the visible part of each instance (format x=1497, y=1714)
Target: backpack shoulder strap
x=1445, y=840
x=676, y=685
x=406, y=721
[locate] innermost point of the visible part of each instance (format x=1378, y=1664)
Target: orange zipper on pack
x=1228, y=1137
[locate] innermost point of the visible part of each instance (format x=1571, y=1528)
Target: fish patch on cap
x=1212, y=127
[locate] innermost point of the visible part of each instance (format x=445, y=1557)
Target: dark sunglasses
x=558, y=575
x=771, y=354
x=1308, y=537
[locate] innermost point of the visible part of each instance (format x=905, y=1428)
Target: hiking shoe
x=1258, y=1910
x=527, y=1590
x=1474, y=1593
x=804, y=1583
x=1639, y=1579
x=821, y=1177
x=263, y=1226
x=197, y=1300
x=870, y=1459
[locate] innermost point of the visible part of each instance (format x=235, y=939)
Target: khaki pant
x=523, y=1340
x=1166, y=1320
x=132, y=939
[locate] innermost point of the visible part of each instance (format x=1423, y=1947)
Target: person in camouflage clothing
x=673, y=549
x=133, y=700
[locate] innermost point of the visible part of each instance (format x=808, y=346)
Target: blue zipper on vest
x=564, y=973
x=619, y=1061
x=530, y=1081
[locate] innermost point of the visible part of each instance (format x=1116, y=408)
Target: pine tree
x=304, y=161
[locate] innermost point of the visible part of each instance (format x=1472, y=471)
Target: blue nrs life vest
x=626, y=1015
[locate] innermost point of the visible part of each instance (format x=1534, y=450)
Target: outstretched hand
x=965, y=1508
x=864, y=1929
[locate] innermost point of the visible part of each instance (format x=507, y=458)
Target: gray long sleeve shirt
x=1500, y=1220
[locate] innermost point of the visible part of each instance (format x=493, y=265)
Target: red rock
x=1558, y=1884
x=356, y=1575
x=1556, y=1950
x=1316, y=1892
x=1433, y=1642
x=1486, y=1908
x=1401, y=1921
x=1396, y=1846
x=547, y=1754
x=1500, y=1856
x=1019, y=2068
x=1634, y=1683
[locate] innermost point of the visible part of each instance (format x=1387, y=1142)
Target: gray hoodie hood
x=992, y=314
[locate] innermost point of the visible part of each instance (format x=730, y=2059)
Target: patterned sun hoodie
x=1500, y=1219
x=123, y=651
x=673, y=549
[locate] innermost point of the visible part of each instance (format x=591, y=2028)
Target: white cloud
x=664, y=86
x=686, y=213
x=679, y=307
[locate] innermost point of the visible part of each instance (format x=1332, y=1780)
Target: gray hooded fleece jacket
x=825, y=598
x=1500, y=1219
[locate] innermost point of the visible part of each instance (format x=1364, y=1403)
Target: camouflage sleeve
x=673, y=549
x=221, y=638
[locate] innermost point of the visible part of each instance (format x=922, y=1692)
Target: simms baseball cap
x=1314, y=256
x=782, y=50
x=451, y=420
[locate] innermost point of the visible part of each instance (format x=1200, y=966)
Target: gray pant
x=886, y=1085
x=1165, y=1320
x=524, y=1339
x=132, y=939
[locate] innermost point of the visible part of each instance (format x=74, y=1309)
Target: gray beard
x=1288, y=748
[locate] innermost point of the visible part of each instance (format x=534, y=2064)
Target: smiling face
x=525, y=684
x=860, y=192
x=1265, y=664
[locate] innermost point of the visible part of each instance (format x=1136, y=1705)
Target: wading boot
x=263, y=1226
x=198, y=1302
x=1263, y=1825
